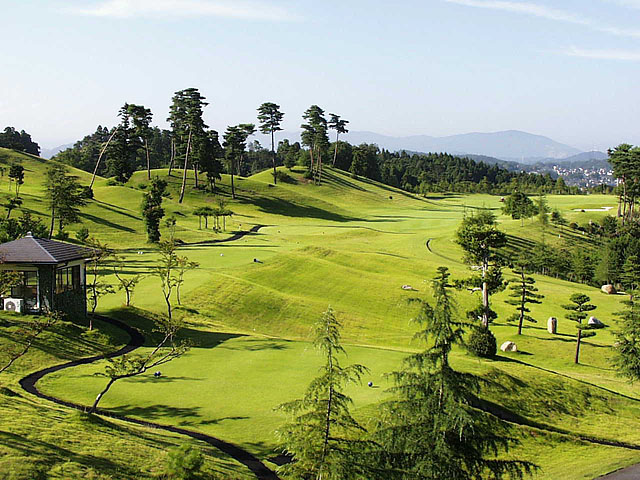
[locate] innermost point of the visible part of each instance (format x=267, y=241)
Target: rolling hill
x=351, y=243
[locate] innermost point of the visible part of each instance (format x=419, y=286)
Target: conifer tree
x=627, y=346
x=430, y=430
x=323, y=437
x=270, y=118
x=479, y=237
x=340, y=126
x=523, y=292
x=314, y=135
x=578, y=309
x=152, y=210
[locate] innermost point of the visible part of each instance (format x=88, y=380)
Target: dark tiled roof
x=30, y=249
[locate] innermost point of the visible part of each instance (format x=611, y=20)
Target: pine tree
x=314, y=135
x=523, y=292
x=578, y=309
x=270, y=118
x=627, y=347
x=340, y=126
x=152, y=210
x=479, y=237
x=630, y=276
x=430, y=429
x=323, y=437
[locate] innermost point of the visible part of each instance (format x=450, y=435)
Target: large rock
x=552, y=325
x=509, y=347
x=593, y=321
x=608, y=289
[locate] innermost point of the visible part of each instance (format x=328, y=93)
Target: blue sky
x=568, y=69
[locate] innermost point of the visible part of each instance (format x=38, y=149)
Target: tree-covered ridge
x=21, y=141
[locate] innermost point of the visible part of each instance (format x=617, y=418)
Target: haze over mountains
x=510, y=145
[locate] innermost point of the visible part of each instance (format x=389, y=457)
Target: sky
x=566, y=69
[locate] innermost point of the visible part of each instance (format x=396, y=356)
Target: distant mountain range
x=50, y=152
x=510, y=145
x=511, y=149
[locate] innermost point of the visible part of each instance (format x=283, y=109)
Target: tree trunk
x=104, y=149
x=206, y=222
x=335, y=151
x=485, y=295
x=195, y=174
x=146, y=147
x=128, y=294
x=184, y=171
x=94, y=407
x=576, y=361
x=166, y=299
x=327, y=429
x=273, y=153
x=173, y=155
x=233, y=189
x=522, y=304
x=53, y=220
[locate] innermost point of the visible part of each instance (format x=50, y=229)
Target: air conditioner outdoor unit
x=13, y=304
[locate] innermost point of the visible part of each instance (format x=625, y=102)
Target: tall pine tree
x=430, y=430
x=323, y=437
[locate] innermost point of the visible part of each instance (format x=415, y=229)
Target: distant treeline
x=427, y=173
x=21, y=141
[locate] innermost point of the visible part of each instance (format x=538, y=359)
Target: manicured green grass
x=351, y=244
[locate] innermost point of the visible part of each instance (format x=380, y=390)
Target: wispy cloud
x=241, y=9
x=549, y=13
x=622, y=55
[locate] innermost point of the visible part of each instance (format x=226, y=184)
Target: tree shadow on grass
x=258, y=344
x=286, y=208
x=144, y=322
x=157, y=412
x=51, y=453
x=106, y=223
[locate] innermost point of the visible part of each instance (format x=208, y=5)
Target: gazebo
x=52, y=276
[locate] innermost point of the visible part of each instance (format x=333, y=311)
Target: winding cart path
x=28, y=383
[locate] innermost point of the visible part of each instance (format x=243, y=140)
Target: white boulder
x=509, y=347
x=552, y=325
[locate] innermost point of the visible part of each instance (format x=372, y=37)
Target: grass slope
x=352, y=244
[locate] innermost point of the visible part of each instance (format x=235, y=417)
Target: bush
x=308, y=174
x=112, y=182
x=573, y=226
x=284, y=177
x=142, y=186
x=63, y=235
x=82, y=234
x=482, y=343
x=183, y=463
x=86, y=192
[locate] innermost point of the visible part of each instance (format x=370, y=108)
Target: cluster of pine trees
x=134, y=144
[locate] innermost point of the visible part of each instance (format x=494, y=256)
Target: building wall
x=72, y=303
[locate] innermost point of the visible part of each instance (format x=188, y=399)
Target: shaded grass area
x=41, y=440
